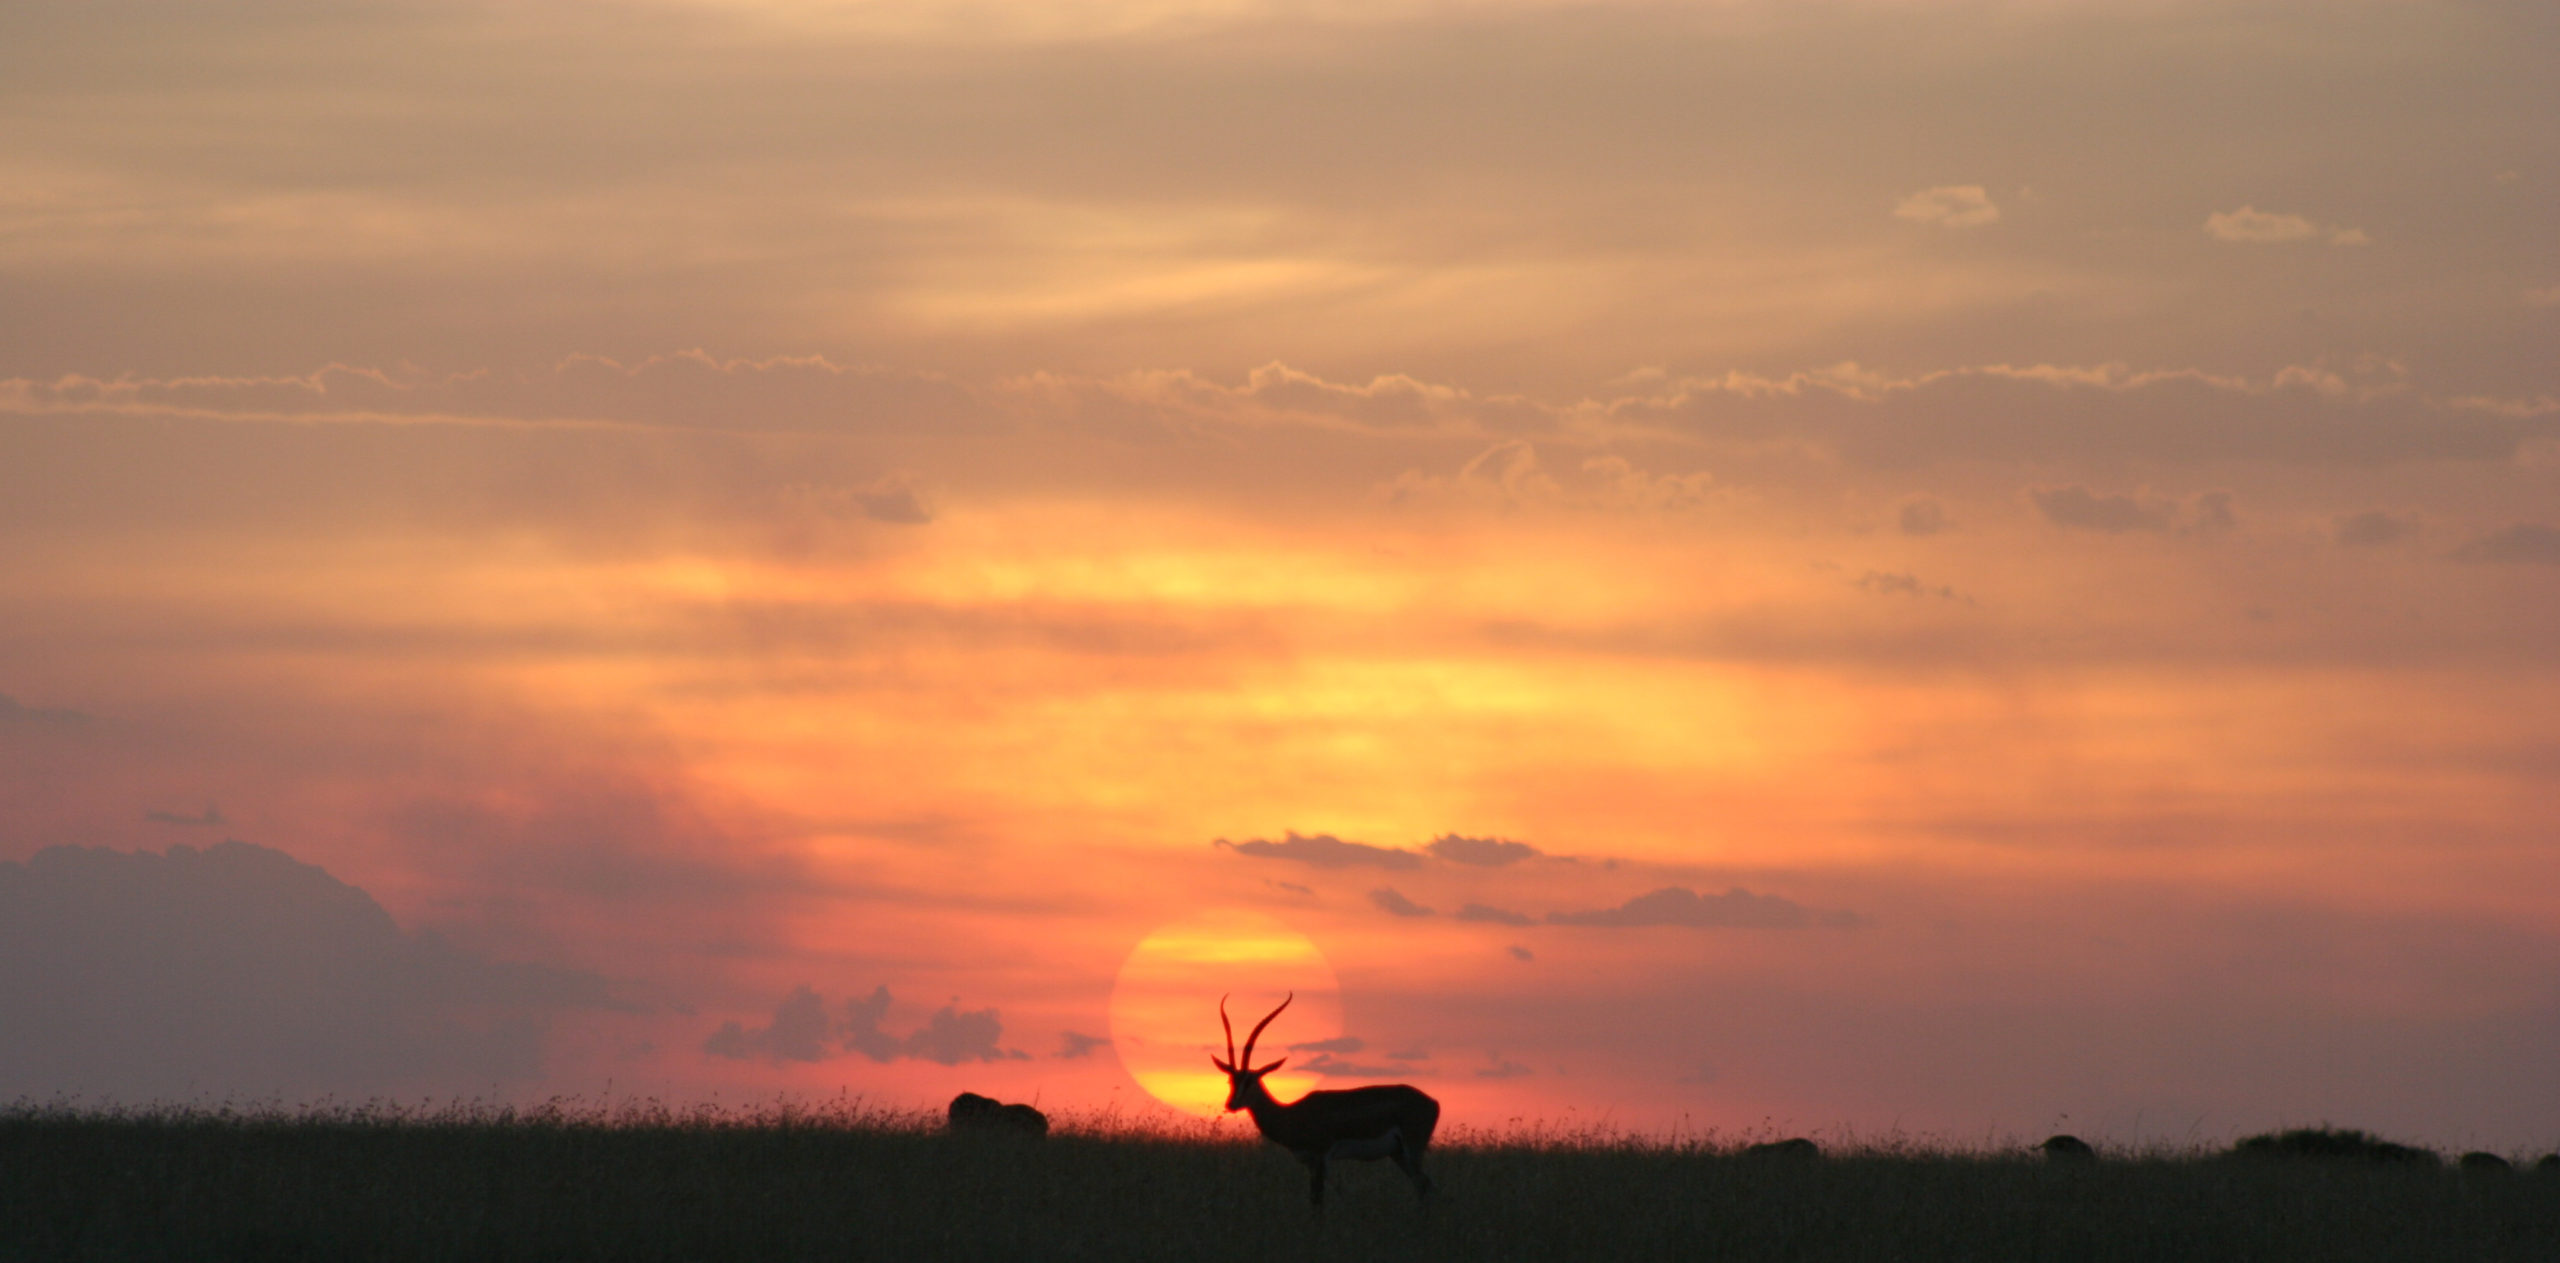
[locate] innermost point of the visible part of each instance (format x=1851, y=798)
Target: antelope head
x=1244, y=1081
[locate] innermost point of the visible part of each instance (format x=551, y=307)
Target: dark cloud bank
x=238, y=971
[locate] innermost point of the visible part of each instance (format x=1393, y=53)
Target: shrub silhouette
x=2482, y=1161
x=971, y=1112
x=1796, y=1149
x=2335, y=1143
x=2067, y=1148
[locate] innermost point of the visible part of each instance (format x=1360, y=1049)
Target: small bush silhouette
x=2067, y=1148
x=2481, y=1160
x=2339, y=1143
x=1797, y=1149
x=971, y=1112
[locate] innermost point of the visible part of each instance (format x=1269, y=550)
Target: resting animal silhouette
x=1387, y=1120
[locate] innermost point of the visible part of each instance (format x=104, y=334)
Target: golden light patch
x=1164, y=1006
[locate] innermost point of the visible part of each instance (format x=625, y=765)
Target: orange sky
x=1978, y=568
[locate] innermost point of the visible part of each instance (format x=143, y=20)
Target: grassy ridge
x=848, y=1182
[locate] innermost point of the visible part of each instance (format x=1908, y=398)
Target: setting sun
x=1164, y=1004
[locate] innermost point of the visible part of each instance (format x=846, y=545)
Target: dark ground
x=849, y=1184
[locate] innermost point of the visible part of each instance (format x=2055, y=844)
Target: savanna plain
x=851, y=1180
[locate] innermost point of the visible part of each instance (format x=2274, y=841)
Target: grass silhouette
x=845, y=1180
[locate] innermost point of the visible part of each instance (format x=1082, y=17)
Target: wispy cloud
x=1949, y=206
x=1884, y=583
x=1333, y=1067
x=13, y=712
x=1922, y=518
x=2083, y=509
x=1323, y=850
x=1480, y=852
x=2249, y=225
x=800, y=1030
x=1395, y=904
x=892, y=498
x=803, y=1030
x=2525, y=543
x=2372, y=528
x=1736, y=908
x=1338, y=1044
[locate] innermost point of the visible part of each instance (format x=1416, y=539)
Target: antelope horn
x=1257, y=1030
x=1223, y=1024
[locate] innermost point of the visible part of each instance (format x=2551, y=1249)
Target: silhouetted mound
x=2334, y=1143
x=2486, y=1163
x=2067, y=1148
x=1796, y=1149
x=2550, y=1165
x=984, y=1115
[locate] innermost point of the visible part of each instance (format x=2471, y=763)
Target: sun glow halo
x=1164, y=1005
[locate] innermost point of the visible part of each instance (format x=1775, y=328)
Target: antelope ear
x=1222, y=1066
x=1273, y=1066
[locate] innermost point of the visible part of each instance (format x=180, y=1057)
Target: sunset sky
x=1962, y=567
